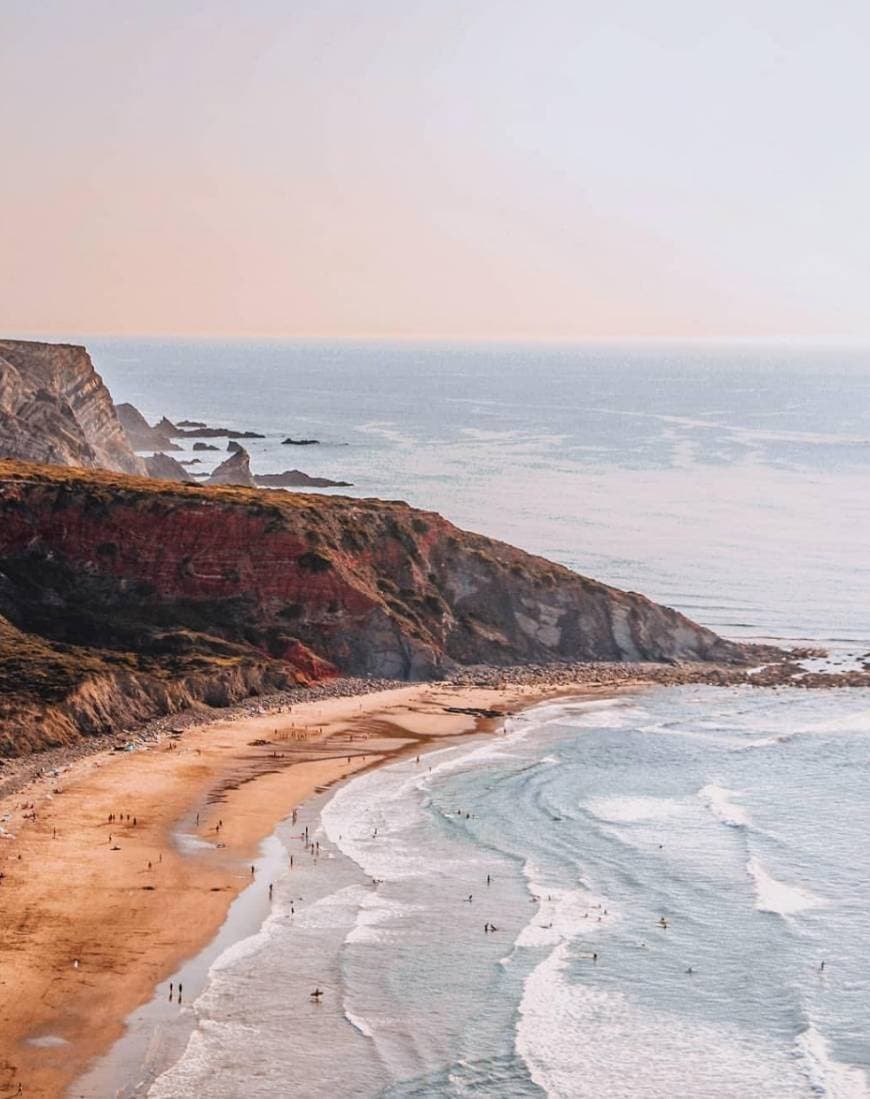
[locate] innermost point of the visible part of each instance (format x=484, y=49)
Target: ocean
x=668, y=870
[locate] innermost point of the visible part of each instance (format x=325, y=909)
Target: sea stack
x=236, y=470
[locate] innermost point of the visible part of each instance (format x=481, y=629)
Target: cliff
x=55, y=408
x=160, y=583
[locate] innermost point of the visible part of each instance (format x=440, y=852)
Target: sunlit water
x=729, y=484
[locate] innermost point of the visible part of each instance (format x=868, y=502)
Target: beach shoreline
x=90, y=926
x=98, y=911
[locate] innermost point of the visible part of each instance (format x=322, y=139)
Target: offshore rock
x=166, y=468
x=139, y=432
x=236, y=470
x=295, y=478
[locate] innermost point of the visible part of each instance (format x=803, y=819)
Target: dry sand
x=88, y=928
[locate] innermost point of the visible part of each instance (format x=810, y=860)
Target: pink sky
x=484, y=168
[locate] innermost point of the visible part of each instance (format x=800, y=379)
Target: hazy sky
x=485, y=168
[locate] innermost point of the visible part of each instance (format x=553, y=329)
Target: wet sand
x=88, y=928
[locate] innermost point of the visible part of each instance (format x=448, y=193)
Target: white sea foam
x=718, y=801
x=563, y=914
x=359, y=1023
x=580, y=1041
x=828, y=1077
x=764, y=742
x=777, y=897
x=374, y=916
x=370, y=817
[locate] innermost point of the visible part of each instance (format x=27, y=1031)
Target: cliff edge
x=55, y=408
x=163, y=583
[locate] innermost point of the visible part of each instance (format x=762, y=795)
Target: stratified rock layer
x=186, y=579
x=55, y=408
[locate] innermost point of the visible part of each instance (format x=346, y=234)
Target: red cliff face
x=117, y=563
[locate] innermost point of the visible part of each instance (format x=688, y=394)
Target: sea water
x=666, y=870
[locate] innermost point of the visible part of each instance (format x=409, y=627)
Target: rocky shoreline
x=558, y=678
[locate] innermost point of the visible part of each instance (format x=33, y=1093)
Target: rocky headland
x=125, y=598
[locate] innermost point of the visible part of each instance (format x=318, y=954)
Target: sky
x=483, y=169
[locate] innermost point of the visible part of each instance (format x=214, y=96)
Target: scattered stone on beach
x=20, y=771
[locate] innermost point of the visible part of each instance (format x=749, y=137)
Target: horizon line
x=430, y=338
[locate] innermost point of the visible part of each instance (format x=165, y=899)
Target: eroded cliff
x=55, y=408
x=172, y=579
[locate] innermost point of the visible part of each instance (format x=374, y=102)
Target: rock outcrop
x=166, y=468
x=214, y=433
x=236, y=470
x=295, y=478
x=153, y=584
x=140, y=434
x=54, y=408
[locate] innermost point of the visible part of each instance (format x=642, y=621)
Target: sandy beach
x=94, y=912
